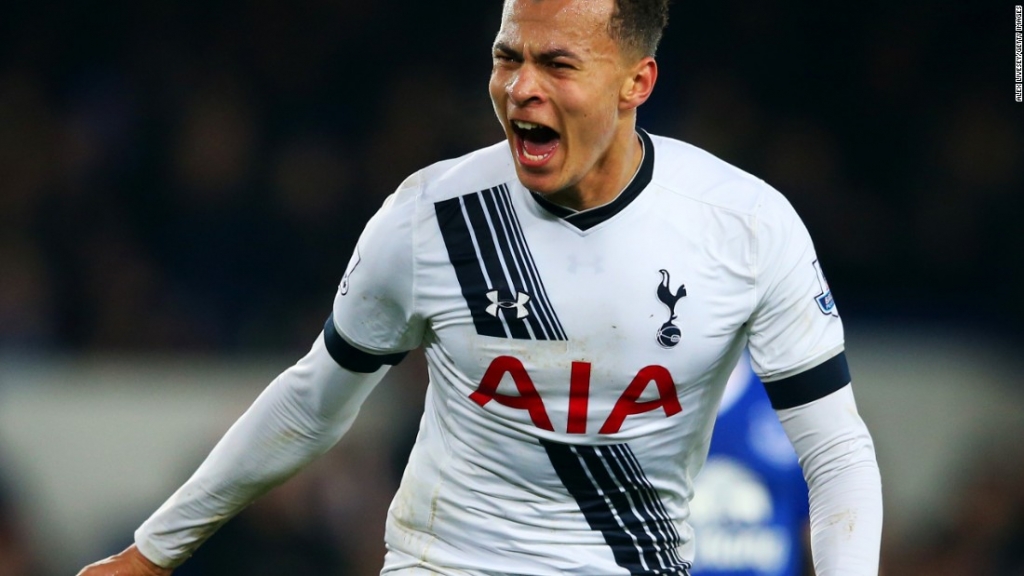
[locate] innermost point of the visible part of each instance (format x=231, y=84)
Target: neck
x=608, y=178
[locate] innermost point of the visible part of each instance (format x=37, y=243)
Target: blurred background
x=182, y=183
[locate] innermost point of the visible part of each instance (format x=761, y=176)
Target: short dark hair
x=637, y=24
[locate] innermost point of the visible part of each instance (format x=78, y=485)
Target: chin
x=543, y=184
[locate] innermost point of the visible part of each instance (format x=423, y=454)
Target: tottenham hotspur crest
x=669, y=334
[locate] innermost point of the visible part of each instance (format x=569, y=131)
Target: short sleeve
x=795, y=334
x=374, y=308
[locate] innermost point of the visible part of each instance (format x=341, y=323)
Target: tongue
x=540, y=148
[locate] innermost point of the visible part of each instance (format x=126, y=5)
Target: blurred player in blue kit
x=750, y=500
x=569, y=407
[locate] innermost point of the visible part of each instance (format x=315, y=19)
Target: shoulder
x=414, y=198
x=691, y=172
x=478, y=170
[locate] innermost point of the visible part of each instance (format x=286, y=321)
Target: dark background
x=186, y=176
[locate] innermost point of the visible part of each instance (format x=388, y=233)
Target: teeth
x=526, y=125
x=535, y=157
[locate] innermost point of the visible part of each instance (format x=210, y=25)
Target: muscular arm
x=838, y=459
x=297, y=418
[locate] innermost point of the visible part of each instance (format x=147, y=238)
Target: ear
x=637, y=87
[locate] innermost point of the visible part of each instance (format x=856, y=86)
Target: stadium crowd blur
x=192, y=177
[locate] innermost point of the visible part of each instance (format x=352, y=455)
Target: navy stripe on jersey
x=809, y=385
x=515, y=250
x=491, y=262
x=351, y=358
x=617, y=499
x=462, y=253
x=495, y=268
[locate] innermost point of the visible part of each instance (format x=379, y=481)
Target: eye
x=560, y=65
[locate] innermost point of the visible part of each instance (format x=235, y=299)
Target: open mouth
x=535, y=143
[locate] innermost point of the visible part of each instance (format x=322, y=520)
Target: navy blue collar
x=589, y=218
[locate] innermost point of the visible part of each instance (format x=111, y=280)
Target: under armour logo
x=499, y=303
x=669, y=334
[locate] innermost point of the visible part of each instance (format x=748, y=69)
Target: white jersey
x=577, y=359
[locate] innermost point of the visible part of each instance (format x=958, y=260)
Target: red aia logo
x=579, y=394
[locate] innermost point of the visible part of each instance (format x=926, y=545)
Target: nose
x=523, y=87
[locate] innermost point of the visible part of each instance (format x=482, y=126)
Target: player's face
x=566, y=96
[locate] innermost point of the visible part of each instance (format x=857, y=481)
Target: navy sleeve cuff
x=810, y=385
x=351, y=358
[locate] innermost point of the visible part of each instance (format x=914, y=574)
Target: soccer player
x=582, y=292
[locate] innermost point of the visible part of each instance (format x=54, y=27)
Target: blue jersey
x=750, y=505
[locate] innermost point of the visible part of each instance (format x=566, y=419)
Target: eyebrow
x=546, y=56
